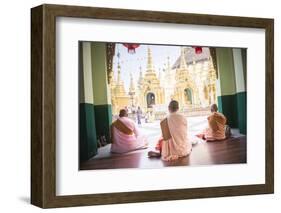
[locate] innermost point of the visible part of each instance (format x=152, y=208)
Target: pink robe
x=216, y=127
x=179, y=145
x=126, y=143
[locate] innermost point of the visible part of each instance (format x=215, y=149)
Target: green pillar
x=226, y=87
x=241, y=95
x=87, y=127
x=101, y=91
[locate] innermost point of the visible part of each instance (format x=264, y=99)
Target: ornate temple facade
x=150, y=91
x=195, y=79
x=186, y=91
x=191, y=81
x=119, y=97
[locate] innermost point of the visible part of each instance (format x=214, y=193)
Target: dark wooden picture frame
x=43, y=105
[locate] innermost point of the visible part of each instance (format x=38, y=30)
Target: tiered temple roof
x=190, y=56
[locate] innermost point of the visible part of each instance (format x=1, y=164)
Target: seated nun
x=125, y=136
x=217, y=127
x=174, y=142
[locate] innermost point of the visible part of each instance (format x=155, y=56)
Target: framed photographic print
x=136, y=106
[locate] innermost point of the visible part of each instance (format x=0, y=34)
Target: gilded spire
x=132, y=86
x=140, y=78
x=212, y=75
x=119, y=88
x=118, y=74
x=168, y=69
x=140, y=72
x=112, y=79
x=118, y=68
x=159, y=74
x=182, y=60
x=168, y=62
x=149, y=61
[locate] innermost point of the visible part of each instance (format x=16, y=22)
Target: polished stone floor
x=232, y=150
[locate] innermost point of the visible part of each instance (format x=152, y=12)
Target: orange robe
x=216, y=127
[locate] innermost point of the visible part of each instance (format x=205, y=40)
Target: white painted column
x=87, y=74
x=238, y=67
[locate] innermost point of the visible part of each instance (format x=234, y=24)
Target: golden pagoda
x=132, y=91
x=150, y=91
x=191, y=81
x=211, y=83
x=185, y=92
x=119, y=97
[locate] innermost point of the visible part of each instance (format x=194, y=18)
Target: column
x=87, y=127
x=241, y=94
x=226, y=85
x=101, y=90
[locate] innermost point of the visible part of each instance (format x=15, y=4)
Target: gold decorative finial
x=149, y=61
x=168, y=67
x=168, y=62
x=118, y=73
x=132, y=86
x=182, y=60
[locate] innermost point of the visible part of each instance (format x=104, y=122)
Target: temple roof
x=191, y=56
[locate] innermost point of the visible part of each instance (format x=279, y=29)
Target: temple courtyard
x=229, y=151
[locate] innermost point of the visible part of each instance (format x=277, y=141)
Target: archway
x=188, y=95
x=150, y=99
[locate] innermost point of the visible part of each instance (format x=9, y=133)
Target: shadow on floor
x=24, y=199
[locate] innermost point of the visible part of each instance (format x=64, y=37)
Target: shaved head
x=214, y=108
x=123, y=113
x=173, y=106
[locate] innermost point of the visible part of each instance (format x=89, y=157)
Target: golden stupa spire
x=140, y=73
x=168, y=68
x=212, y=72
x=132, y=86
x=159, y=74
x=119, y=74
x=118, y=68
x=168, y=62
x=182, y=59
x=140, y=78
x=111, y=77
x=149, y=61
